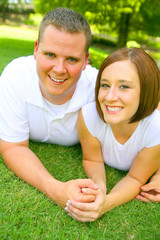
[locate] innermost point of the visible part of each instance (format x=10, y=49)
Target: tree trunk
x=4, y=6
x=123, y=29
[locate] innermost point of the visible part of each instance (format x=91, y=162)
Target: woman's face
x=119, y=92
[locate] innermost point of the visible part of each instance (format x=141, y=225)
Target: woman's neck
x=122, y=132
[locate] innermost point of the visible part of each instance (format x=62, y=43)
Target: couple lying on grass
x=118, y=127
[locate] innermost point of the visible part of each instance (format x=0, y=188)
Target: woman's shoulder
x=152, y=120
x=150, y=129
x=90, y=111
x=92, y=119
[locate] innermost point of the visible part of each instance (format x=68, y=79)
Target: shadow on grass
x=13, y=48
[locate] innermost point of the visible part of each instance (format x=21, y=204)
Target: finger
x=87, y=198
x=89, y=191
x=141, y=198
x=83, y=216
x=149, y=186
x=81, y=206
x=88, y=183
x=151, y=197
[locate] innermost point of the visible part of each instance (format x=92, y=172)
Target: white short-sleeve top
x=24, y=113
x=121, y=156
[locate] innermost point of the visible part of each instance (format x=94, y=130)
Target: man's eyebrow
x=47, y=51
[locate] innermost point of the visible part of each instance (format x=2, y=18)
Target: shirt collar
x=34, y=95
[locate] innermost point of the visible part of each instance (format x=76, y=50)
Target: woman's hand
x=150, y=192
x=87, y=212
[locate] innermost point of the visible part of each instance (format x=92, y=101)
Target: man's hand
x=72, y=190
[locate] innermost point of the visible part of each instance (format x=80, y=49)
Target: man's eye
x=50, y=55
x=71, y=59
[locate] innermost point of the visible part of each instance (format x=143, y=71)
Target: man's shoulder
x=25, y=61
x=90, y=73
x=19, y=73
x=18, y=65
x=20, y=68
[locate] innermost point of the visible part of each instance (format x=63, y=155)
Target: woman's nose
x=112, y=94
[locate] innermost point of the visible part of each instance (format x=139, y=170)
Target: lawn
x=25, y=213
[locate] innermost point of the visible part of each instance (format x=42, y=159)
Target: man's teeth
x=57, y=80
x=114, y=109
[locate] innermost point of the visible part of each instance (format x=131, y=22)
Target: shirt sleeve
x=151, y=130
x=13, y=114
x=92, y=120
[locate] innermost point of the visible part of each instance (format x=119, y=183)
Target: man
x=40, y=98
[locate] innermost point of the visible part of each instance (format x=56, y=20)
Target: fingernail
x=96, y=186
x=83, y=189
x=66, y=209
x=69, y=214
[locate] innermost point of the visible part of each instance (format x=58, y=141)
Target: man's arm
x=26, y=165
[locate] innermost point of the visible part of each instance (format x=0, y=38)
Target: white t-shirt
x=24, y=113
x=115, y=154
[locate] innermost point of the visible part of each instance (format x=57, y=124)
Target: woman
x=121, y=129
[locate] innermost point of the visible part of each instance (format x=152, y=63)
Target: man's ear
x=86, y=60
x=35, y=49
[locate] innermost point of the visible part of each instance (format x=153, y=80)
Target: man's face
x=60, y=58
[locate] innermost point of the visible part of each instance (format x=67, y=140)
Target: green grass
x=28, y=214
x=25, y=213
x=15, y=42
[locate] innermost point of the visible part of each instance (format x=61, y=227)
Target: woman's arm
x=151, y=190
x=92, y=155
x=145, y=164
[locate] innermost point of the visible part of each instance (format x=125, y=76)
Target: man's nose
x=59, y=66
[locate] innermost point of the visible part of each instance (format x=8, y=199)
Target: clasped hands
x=90, y=206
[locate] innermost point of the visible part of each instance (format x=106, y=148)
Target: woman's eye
x=104, y=85
x=124, y=87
